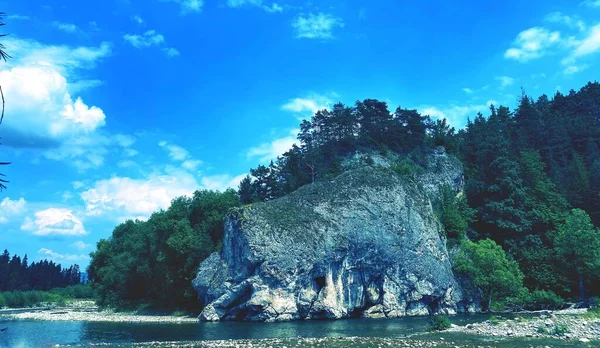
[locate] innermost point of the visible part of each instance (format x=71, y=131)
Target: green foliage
x=455, y=213
x=331, y=135
x=153, y=262
x=58, y=296
x=406, y=168
x=534, y=301
x=592, y=313
x=543, y=330
x=559, y=329
x=524, y=172
x=494, y=320
x=577, y=244
x=18, y=274
x=594, y=302
x=537, y=259
x=489, y=267
x=439, y=323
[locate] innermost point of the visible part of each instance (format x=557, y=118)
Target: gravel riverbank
x=571, y=325
x=88, y=311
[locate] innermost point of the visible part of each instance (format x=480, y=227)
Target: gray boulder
x=366, y=243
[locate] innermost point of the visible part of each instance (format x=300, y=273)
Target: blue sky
x=115, y=107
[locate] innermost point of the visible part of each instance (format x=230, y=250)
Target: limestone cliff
x=366, y=243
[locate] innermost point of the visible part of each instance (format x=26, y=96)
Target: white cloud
x=48, y=253
x=456, y=115
x=137, y=19
x=271, y=150
x=191, y=164
x=80, y=245
x=532, y=43
x=273, y=8
x=467, y=90
x=66, y=27
x=573, y=69
x=176, y=153
x=125, y=197
x=88, y=151
x=148, y=39
x=558, y=17
x=591, y=3
x=171, y=52
x=10, y=208
x=64, y=58
x=188, y=6
x=43, y=112
x=130, y=152
x=589, y=44
x=221, y=182
x=54, y=221
x=124, y=140
x=66, y=195
x=179, y=154
x=94, y=25
x=77, y=185
x=316, y=26
x=127, y=164
x=310, y=104
x=505, y=81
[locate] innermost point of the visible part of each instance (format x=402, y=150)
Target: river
x=40, y=334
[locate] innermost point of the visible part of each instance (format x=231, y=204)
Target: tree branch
x=2, y=116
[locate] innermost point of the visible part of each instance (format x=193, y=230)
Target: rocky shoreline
x=571, y=325
x=88, y=311
x=341, y=342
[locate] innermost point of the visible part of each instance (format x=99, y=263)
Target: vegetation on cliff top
x=528, y=212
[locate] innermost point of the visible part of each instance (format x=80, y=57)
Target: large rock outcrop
x=366, y=243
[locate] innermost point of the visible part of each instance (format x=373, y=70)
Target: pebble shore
x=354, y=342
x=567, y=325
x=88, y=311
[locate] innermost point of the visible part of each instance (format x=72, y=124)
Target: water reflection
x=47, y=334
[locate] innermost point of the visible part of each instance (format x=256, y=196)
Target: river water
x=27, y=333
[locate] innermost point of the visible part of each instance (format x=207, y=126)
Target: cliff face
x=366, y=243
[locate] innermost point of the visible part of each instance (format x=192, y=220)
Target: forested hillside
x=529, y=213
x=17, y=273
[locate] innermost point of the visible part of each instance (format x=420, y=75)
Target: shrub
x=2, y=302
x=543, y=330
x=560, y=329
x=536, y=300
x=439, y=323
x=594, y=302
x=406, y=167
x=541, y=299
x=494, y=320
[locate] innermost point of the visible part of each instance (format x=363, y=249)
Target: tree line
x=18, y=274
x=524, y=228
x=330, y=135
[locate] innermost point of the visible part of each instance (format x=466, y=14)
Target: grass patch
x=494, y=320
x=592, y=314
x=559, y=329
x=34, y=298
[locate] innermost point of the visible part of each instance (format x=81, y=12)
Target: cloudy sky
x=115, y=107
